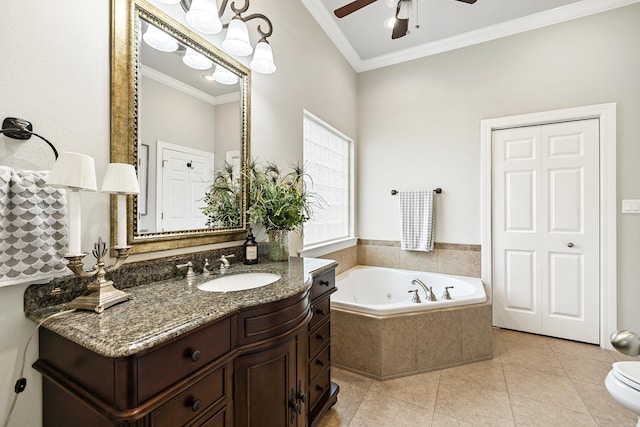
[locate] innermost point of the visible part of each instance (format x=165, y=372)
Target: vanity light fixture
x=74, y=172
x=158, y=39
x=196, y=60
x=202, y=17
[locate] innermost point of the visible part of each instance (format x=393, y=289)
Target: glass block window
x=328, y=162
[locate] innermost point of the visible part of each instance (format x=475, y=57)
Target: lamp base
x=99, y=297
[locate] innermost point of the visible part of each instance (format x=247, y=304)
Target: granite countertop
x=161, y=311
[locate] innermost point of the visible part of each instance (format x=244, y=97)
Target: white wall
x=419, y=124
x=55, y=73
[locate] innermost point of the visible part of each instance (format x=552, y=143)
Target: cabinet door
x=266, y=387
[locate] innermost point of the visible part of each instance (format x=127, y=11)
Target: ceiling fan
x=401, y=23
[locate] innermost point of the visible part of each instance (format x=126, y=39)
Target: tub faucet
x=446, y=294
x=415, y=298
x=428, y=292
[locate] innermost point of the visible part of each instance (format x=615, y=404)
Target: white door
x=186, y=176
x=546, y=229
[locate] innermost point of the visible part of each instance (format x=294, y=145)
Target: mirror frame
x=124, y=120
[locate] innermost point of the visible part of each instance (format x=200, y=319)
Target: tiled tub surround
x=406, y=344
x=446, y=258
x=164, y=310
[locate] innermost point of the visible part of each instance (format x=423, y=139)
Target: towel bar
x=435, y=190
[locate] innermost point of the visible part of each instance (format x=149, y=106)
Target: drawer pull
x=196, y=405
x=320, y=310
x=321, y=363
x=195, y=356
x=321, y=389
x=324, y=282
x=321, y=337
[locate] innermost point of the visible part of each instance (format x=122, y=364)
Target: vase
x=278, y=245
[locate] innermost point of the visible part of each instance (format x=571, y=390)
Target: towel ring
x=22, y=130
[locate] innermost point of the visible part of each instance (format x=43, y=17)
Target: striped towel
x=33, y=227
x=417, y=220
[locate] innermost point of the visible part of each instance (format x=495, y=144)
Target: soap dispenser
x=250, y=249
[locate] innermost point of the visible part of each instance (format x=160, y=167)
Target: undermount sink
x=239, y=282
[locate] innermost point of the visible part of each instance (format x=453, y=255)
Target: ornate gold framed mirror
x=180, y=124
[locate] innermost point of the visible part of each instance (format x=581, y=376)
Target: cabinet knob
x=321, y=337
x=570, y=245
x=320, y=310
x=321, y=363
x=324, y=282
x=195, y=355
x=196, y=405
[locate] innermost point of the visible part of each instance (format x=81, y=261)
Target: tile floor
x=531, y=381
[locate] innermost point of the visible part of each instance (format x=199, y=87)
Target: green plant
x=277, y=201
x=223, y=199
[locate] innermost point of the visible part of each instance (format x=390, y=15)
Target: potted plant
x=278, y=201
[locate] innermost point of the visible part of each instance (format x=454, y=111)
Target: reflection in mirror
x=189, y=117
x=180, y=113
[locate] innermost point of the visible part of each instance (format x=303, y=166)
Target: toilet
x=623, y=383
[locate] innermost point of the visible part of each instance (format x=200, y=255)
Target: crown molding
x=505, y=29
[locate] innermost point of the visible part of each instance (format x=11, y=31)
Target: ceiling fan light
x=224, y=76
x=196, y=60
x=389, y=22
x=203, y=17
x=158, y=39
x=262, y=61
x=237, y=40
x=405, y=9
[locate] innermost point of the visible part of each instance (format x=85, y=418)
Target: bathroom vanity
x=176, y=355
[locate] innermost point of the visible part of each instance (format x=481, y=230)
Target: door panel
x=545, y=229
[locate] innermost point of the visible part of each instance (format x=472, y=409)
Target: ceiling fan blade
x=468, y=1
x=347, y=9
x=401, y=26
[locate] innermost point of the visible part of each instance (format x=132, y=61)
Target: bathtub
x=377, y=331
x=380, y=291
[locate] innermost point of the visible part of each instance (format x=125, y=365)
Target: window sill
x=327, y=248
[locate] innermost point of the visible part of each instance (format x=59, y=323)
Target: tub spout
x=427, y=290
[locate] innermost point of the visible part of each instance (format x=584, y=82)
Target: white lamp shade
x=224, y=76
x=159, y=40
x=237, y=40
x=196, y=60
x=75, y=171
x=120, y=178
x=203, y=17
x=262, y=61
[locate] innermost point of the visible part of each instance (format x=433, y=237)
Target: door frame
x=606, y=114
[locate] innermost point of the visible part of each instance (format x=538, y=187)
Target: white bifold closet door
x=545, y=230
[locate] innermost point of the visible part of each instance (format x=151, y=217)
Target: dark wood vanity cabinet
x=322, y=392
x=266, y=365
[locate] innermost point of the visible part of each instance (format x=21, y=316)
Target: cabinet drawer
x=323, y=283
x=319, y=387
x=193, y=401
x=320, y=362
x=166, y=365
x=321, y=310
x=318, y=337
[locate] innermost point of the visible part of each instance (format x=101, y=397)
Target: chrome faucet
x=446, y=294
x=427, y=290
x=189, y=266
x=415, y=298
x=224, y=262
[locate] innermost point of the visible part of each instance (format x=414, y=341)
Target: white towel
x=33, y=227
x=417, y=219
